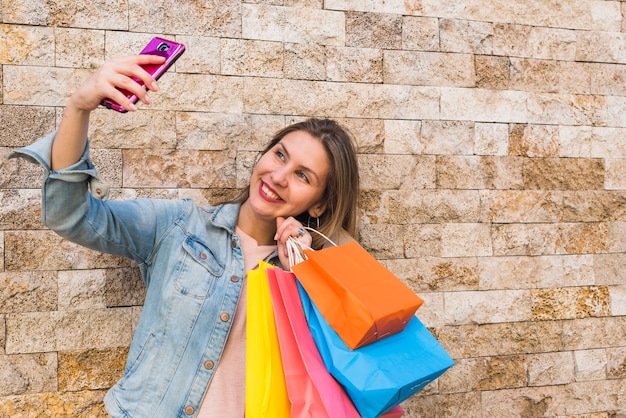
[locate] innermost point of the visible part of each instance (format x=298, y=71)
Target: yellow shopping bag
x=266, y=389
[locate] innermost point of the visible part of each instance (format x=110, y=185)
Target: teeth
x=269, y=192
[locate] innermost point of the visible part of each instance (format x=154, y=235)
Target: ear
x=317, y=210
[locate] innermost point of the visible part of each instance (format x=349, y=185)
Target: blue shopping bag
x=380, y=375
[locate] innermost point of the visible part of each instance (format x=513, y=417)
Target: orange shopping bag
x=361, y=300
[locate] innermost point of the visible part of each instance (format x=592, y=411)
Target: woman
x=187, y=357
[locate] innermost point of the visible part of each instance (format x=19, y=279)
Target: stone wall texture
x=492, y=144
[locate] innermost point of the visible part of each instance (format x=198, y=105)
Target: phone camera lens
x=163, y=47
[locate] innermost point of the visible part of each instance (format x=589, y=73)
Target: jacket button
x=224, y=317
x=233, y=243
x=234, y=279
x=189, y=410
x=209, y=364
x=203, y=256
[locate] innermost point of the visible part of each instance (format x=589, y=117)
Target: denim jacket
x=191, y=262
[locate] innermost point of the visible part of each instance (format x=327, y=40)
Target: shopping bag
x=382, y=374
x=313, y=392
x=266, y=390
x=360, y=298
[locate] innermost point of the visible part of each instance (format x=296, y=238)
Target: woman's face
x=290, y=178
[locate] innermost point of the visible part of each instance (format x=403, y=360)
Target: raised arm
x=71, y=137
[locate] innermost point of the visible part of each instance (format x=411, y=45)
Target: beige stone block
x=609, y=270
x=28, y=374
x=272, y=96
x=592, y=142
x=145, y=128
x=428, y=206
x=564, y=173
x=591, y=364
x=381, y=171
x=30, y=332
x=356, y=65
x=373, y=30
x=180, y=168
x=251, y=58
x=22, y=125
x=55, y=404
x=534, y=140
x=91, y=369
x=422, y=240
x=221, y=18
x=26, y=45
x=594, y=332
x=575, y=77
x=211, y=131
x=617, y=300
x=593, y=206
x=535, y=272
x=44, y=250
x=442, y=137
x=369, y=134
x=430, y=311
x=1, y=255
x=466, y=36
x=570, y=303
x=428, y=68
x=20, y=209
x=487, y=307
x=482, y=105
x=81, y=289
x=420, y=33
x=616, y=237
x=516, y=40
x=478, y=172
x=568, y=109
x=404, y=102
x=534, y=75
x=382, y=241
x=615, y=174
x=54, y=85
x=466, y=240
x=112, y=15
x=546, y=369
x=492, y=72
x=403, y=137
x=28, y=292
x=79, y=48
x=521, y=206
x=606, y=47
x=124, y=287
x=292, y=24
x=202, y=54
x=96, y=328
x=491, y=139
x=305, y=61
x=435, y=274
x=486, y=373
x=616, y=362
x=499, y=339
x=552, y=401
x=465, y=405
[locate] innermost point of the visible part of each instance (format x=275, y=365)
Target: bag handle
x=295, y=249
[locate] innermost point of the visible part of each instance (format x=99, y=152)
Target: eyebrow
x=304, y=167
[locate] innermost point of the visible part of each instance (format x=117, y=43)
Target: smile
x=269, y=192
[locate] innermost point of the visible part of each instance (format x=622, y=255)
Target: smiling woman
x=194, y=259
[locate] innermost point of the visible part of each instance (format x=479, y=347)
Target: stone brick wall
x=492, y=143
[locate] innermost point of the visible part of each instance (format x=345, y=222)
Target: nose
x=279, y=176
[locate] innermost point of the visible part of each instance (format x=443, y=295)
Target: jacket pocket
x=197, y=270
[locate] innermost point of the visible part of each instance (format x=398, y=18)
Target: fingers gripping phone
x=157, y=46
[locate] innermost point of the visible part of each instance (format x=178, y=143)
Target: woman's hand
x=113, y=75
x=286, y=228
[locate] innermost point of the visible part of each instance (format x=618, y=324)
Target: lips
x=268, y=194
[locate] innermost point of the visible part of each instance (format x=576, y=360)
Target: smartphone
x=157, y=46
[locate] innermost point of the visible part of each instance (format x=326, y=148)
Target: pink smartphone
x=157, y=46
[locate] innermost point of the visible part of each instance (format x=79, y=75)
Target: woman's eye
x=303, y=176
x=280, y=154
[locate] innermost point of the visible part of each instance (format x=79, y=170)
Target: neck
x=262, y=230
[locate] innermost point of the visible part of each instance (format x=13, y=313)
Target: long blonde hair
x=340, y=196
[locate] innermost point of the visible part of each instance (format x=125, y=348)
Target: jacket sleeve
x=75, y=205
